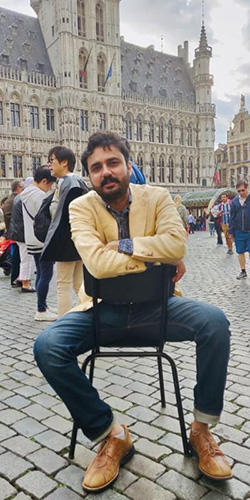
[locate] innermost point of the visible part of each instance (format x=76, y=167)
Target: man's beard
x=122, y=187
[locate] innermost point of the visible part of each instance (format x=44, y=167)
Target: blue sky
x=167, y=23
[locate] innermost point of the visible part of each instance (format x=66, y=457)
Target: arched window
x=182, y=133
x=170, y=132
x=99, y=23
x=152, y=169
x=190, y=135
x=161, y=131
x=128, y=126
x=242, y=126
x=139, y=128
x=81, y=23
x=171, y=169
x=140, y=161
x=151, y=130
x=162, y=169
x=198, y=178
x=190, y=173
x=100, y=73
x=182, y=177
x=83, y=79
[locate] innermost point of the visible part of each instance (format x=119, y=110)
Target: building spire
x=203, y=48
x=202, y=12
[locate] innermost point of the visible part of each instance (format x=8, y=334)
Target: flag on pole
x=110, y=71
x=84, y=71
x=216, y=178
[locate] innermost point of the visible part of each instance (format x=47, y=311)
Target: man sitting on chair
x=120, y=228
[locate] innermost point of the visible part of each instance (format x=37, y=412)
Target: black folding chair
x=153, y=285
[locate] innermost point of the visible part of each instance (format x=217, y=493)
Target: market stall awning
x=199, y=199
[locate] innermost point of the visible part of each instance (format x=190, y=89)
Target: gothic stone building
x=233, y=158
x=158, y=101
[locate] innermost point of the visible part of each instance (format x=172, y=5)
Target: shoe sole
x=241, y=278
x=123, y=461
x=216, y=478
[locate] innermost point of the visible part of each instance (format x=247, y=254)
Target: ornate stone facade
x=68, y=73
x=233, y=158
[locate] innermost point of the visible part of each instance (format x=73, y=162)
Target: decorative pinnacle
x=203, y=48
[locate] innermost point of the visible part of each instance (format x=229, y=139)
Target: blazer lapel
x=108, y=224
x=138, y=212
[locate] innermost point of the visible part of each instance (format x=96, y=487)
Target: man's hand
x=180, y=271
x=112, y=245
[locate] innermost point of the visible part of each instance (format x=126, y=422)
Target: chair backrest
x=153, y=285
x=136, y=287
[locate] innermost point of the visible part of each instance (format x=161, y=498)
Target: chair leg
x=91, y=370
x=161, y=382
x=75, y=427
x=73, y=441
x=186, y=446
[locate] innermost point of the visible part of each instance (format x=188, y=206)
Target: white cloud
x=143, y=22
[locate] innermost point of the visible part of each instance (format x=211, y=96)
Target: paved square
x=35, y=426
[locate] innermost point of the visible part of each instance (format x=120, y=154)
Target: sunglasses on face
x=241, y=190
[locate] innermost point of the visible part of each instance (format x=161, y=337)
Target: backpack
x=42, y=219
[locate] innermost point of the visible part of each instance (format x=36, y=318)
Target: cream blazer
x=154, y=224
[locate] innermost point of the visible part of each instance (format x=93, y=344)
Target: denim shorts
x=242, y=241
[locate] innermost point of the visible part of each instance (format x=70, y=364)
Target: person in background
x=16, y=233
x=2, y=223
x=191, y=222
x=182, y=211
x=58, y=245
x=239, y=225
x=211, y=224
x=16, y=188
x=32, y=198
x=224, y=208
x=217, y=223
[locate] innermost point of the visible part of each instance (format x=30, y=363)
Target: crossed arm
x=103, y=259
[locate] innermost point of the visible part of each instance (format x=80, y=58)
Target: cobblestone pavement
x=35, y=426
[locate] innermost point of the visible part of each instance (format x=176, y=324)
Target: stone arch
x=171, y=169
x=182, y=133
x=162, y=165
x=129, y=120
x=170, y=131
x=190, y=134
x=161, y=130
x=190, y=170
x=139, y=127
x=99, y=11
x=152, y=168
x=81, y=18
x=82, y=60
x=151, y=129
x=101, y=65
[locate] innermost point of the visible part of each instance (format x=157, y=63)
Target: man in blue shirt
x=239, y=226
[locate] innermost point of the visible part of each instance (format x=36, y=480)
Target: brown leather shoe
x=104, y=468
x=212, y=461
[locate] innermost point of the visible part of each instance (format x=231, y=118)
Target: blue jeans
x=44, y=273
x=57, y=348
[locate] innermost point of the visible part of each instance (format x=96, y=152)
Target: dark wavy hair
x=104, y=140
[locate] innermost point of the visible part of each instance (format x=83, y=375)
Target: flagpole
x=110, y=70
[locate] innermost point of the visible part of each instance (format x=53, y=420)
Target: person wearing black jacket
x=58, y=245
x=16, y=233
x=16, y=188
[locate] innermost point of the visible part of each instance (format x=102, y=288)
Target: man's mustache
x=107, y=180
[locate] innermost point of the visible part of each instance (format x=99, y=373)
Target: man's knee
x=43, y=347
x=218, y=326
